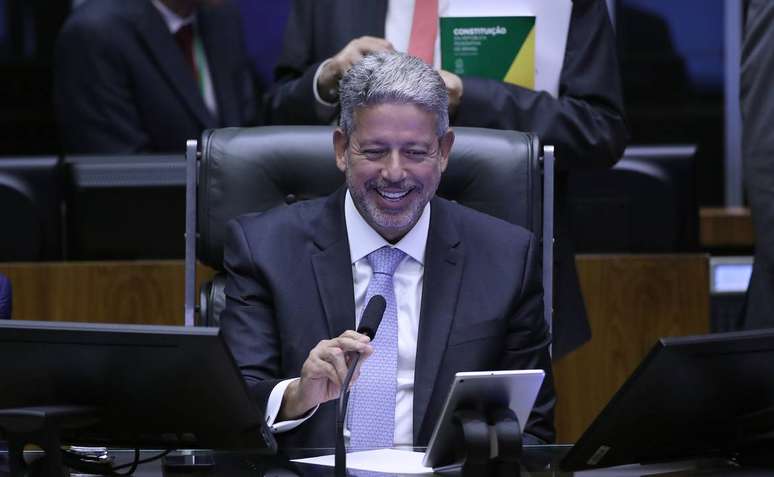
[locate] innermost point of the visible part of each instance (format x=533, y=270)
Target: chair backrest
x=243, y=170
x=646, y=203
x=30, y=209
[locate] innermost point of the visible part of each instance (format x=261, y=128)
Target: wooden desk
x=726, y=227
x=632, y=300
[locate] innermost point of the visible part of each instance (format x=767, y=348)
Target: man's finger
x=335, y=356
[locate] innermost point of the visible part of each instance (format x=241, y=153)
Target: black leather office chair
x=30, y=209
x=646, y=203
x=233, y=171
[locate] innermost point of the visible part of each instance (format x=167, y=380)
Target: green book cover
x=501, y=48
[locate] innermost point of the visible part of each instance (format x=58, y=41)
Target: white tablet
x=479, y=390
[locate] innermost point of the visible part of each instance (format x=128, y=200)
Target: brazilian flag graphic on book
x=501, y=48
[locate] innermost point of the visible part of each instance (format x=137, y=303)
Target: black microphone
x=372, y=316
x=369, y=323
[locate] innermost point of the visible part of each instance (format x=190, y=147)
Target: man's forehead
x=393, y=118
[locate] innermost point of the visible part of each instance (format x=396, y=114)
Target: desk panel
x=632, y=300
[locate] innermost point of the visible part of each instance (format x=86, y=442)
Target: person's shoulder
x=100, y=17
x=283, y=221
x=481, y=227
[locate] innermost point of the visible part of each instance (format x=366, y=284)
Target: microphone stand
x=340, y=457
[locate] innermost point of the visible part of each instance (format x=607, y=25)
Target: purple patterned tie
x=372, y=414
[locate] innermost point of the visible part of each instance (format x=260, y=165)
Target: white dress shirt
x=408, y=295
x=174, y=23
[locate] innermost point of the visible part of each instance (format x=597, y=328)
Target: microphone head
x=372, y=316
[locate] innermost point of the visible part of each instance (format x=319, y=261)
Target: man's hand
x=323, y=373
x=454, y=87
x=328, y=81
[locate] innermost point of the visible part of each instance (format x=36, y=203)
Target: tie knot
x=385, y=260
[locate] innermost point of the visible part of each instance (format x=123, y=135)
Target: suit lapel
x=443, y=274
x=332, y=265
x=161, y=44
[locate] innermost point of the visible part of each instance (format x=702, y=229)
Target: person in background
x=143, y=76
x=6, y=298
x=585, y=122
x=757, y=105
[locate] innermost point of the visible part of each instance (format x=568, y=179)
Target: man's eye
x=374, y=153
x=416, y=153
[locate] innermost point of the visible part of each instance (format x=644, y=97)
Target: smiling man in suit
x=462, y=288
x=137, y=76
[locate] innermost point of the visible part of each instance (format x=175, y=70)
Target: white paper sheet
x=552, y=21
x=392, y=461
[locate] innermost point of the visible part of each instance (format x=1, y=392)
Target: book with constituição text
x=501, y=48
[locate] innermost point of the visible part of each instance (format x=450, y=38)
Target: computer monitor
x=160, y=387
x=698, y=396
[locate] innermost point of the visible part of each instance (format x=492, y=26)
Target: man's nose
x=393, y=170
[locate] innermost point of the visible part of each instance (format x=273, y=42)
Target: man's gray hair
x=393, y=78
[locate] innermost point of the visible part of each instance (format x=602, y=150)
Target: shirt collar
x=364, y=240
x=173, y=20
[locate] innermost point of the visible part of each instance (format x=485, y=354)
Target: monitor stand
x=41, y=426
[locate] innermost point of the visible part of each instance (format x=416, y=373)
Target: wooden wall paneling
x=631, y=302
x=140, y=292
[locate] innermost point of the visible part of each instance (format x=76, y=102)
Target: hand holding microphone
x=328, y=364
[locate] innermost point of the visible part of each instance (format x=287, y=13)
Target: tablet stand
x=41, y=426
x=492, y=441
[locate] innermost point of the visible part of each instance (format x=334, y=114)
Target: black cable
x=132, y=466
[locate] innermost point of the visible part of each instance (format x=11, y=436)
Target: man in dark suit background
x=585, y=122
x=464, y=288
x=757, y=104
x=145, y=75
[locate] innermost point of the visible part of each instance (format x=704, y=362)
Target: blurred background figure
x=757, y=103
x=137, y=76
x=585, y=122
x=6, y=298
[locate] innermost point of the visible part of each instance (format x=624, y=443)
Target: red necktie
x=424, y=29
x=184, y=37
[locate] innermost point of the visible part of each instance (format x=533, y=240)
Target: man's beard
x=368, y=208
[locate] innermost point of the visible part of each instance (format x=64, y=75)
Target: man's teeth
x=393, y=195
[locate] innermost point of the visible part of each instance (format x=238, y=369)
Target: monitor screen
x=699, y=396
x=151, y=386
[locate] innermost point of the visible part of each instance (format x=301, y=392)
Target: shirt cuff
x=273, y=407
x=321, y=102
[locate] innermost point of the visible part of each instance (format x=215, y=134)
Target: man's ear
x=340, y=143
x=445, y=143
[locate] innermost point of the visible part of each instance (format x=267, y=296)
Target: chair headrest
x=246, y=170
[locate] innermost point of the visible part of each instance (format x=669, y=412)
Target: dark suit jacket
x=757, y=103
x=586, y=123
x=290, y=285
x=6, y=297
x=122, y=84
